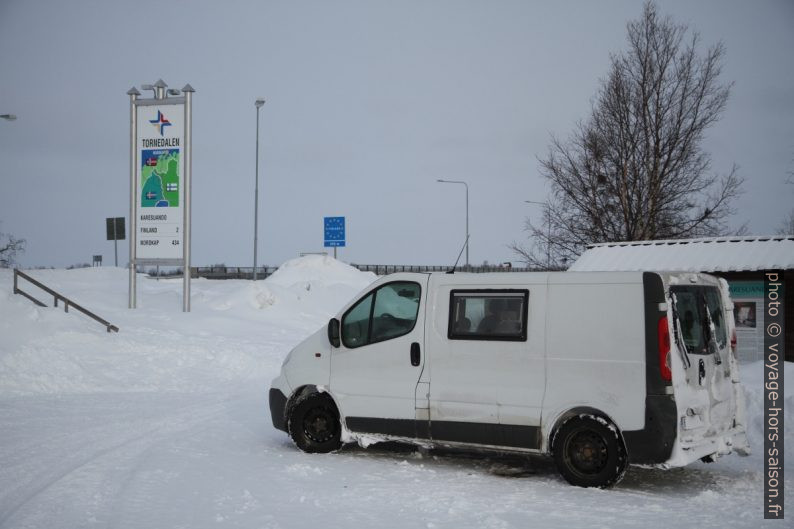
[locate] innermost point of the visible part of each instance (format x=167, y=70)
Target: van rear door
x=701, y=333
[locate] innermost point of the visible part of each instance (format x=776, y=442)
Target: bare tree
x=787, y=226
x=635, y=168
x=9, y=248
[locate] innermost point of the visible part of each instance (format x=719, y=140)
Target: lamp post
x=467, y=212
x=259, y=102
x=548, y=232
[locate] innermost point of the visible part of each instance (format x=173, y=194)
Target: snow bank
x=237, y=330
x=311, y=284
x=752, y=377
x=319, y=270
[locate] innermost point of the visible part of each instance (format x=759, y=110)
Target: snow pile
x=237, y=330
x=752, y=377
x=313, y=284
x=319, y=270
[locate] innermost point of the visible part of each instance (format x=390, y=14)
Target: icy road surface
x=166, y=424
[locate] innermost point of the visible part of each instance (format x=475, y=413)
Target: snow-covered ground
x=166, y=424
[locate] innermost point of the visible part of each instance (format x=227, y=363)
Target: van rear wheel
x=589, y=452
x=314, y=424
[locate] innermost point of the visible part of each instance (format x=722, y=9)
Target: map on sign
x=159, y=178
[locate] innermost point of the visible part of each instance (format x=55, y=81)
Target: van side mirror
x=333, y=332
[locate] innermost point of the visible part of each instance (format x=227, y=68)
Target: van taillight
x=733, y=341
x=664, y=350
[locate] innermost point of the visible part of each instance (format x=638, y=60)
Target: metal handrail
x=66, y=301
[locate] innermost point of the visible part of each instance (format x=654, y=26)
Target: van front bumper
x=278, y=405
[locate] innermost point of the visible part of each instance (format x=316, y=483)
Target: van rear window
x=488, y=315
x=694, y=305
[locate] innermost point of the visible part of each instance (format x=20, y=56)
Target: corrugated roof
x=714, y=254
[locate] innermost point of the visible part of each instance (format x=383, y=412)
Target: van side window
x=488, y=315
x=388, y=312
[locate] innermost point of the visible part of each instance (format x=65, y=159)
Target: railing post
x=16, y=273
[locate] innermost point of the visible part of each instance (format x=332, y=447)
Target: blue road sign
x=334, y=231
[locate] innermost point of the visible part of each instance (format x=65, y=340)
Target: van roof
x=506, y=279
x=536, y=278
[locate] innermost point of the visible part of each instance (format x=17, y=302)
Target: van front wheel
x=589, y=452
x=314, y=424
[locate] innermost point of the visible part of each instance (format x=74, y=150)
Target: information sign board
x=159, y=200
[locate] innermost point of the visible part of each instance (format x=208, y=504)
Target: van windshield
x=695, y=307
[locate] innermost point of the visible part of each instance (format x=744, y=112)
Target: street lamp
x=8, y=117
x=548, y=231
x=467, y=212
x=259, y=102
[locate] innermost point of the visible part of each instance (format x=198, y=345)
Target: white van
x=596, y=369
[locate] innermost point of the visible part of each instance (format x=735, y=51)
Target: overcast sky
x=368, y=103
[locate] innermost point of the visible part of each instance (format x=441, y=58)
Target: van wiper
x=713, y=346
x=678, y=334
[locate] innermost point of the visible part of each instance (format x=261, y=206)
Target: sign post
x=160, y=167
x=334, y=232
x=115, y=232
x=186, y=220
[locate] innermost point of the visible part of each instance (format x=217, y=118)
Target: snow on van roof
x=712, y=254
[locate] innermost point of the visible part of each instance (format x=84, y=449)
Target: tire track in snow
x=127, y=497
x=167, y=428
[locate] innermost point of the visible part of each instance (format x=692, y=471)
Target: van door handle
x=415, y=354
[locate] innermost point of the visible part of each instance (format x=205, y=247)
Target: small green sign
x=746, y=289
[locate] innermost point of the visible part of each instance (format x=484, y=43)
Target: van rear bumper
x=722, y=444
x=653, y=445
